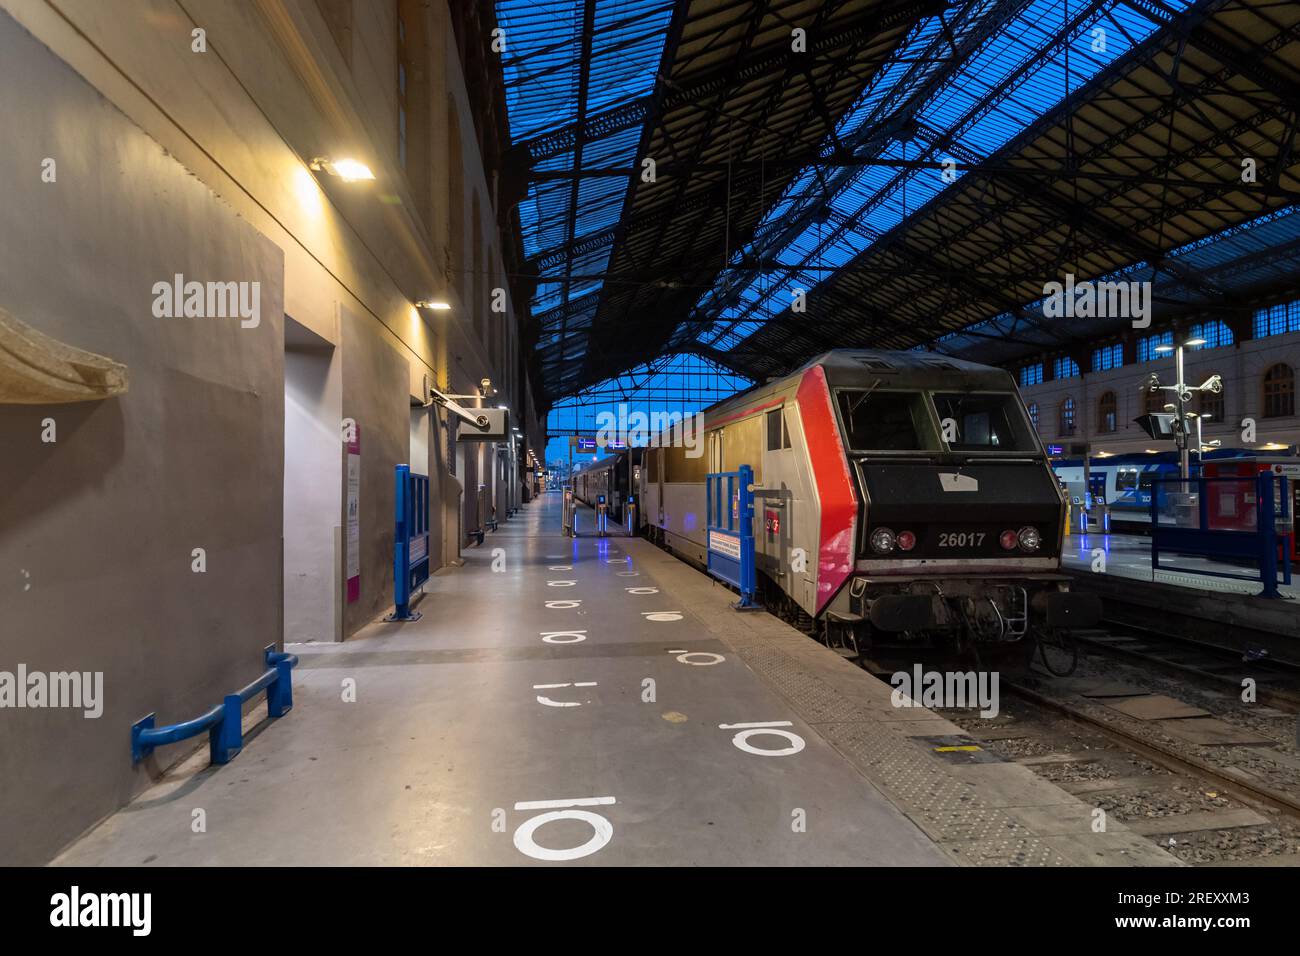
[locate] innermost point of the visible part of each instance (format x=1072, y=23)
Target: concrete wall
x=375, y=397
x=97, y=528
x=176, y=160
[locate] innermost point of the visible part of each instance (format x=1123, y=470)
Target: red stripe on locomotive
x=836, y=494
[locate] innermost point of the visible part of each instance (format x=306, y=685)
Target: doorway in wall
x=424, y=460
x=313, y=467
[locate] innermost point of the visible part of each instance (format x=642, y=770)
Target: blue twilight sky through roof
x=970, y=88
x=1011, y=71
x=676, y=383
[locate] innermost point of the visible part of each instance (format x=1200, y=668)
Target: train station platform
x=1129, y=556
x=596, y=701
x=1223, y=612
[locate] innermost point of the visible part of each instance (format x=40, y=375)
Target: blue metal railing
x=410, y=541
x=729, y=525
x=1250, y=516
x=224, y=721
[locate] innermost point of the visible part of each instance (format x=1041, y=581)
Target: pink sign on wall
x=353, y=547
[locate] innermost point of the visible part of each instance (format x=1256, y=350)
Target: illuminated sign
x=1055, y=449
x=587, y=444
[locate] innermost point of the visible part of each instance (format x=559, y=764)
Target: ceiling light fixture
x=348, y=170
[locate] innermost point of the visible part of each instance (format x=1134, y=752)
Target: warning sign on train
x=725, y=544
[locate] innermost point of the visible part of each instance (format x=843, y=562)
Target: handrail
x=224, y=721
x=729, y=531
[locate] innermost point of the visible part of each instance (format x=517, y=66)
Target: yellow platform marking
x=945, y=750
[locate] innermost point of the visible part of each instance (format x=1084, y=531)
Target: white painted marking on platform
x=628, y=574
x=682, y=656
x=560, y=567
x=662, y=615
x=641, y=590
x=560, y=584
x=561, y=703
x=602, y=829
x=566, y=605
x=760, y=728
x=560, y=804
x=553, y=637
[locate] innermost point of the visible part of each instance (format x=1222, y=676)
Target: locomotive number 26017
x=961, y=539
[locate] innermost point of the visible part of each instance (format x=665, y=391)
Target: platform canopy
x=755, y=181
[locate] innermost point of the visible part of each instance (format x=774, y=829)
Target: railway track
x=1146, y=746
x=1235, y=801
x=1277, y=683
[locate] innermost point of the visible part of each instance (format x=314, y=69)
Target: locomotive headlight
x=882, y=541
x=906, y=540
x=1009, y=540
x=1030, y=539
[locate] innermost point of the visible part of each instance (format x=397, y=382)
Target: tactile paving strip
x=948, y=809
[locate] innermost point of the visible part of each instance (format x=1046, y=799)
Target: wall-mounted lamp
x=348, y=170
x=435, y=305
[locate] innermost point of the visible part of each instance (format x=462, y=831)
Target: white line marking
x=602, y=831
x=760, y=723
x=557, y=703
x=710, y=658
x=556, y=804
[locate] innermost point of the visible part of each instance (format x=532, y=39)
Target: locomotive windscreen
x=983, y=422
x=886, y=421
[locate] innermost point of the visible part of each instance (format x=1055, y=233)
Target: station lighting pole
x=1200, y=440
x=1182, y=395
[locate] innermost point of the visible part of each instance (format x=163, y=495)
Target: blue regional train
x=1124, y=481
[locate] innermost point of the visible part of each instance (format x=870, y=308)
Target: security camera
x=1212, y=384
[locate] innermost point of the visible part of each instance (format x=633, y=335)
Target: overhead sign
x=586, y=444
x=1287, y=470
x=491, y=424
x=1157, y=424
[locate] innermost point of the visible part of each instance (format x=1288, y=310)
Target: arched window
x=1033, y=414
x=1067, y=417
x=1107, y=413
x=1212, y=405
x=1279, y=391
